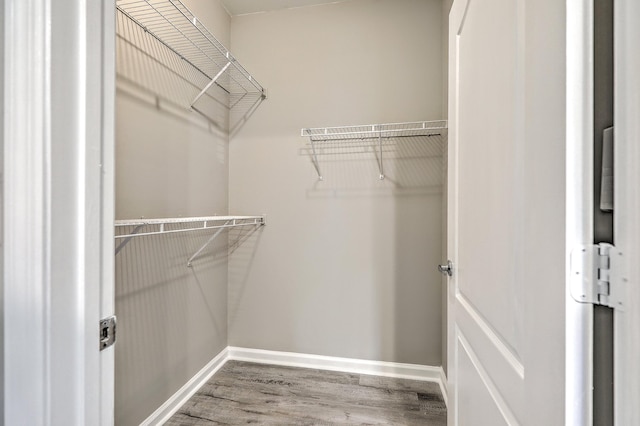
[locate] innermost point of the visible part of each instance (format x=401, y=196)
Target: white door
x=505, y=310
x=627, y=208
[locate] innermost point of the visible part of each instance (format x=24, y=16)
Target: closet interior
x=236, y=235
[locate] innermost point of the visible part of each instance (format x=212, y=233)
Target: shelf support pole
x=209, y=241
x=315, y=160
x=213, y=80
x=126, y=240
x=380, y=155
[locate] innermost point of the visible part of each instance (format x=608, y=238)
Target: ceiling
x=242, y=7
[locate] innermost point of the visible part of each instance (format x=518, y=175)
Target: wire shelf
x=375, y=131
x=375, y=138
x=181, y=224
x=126, y=230
x=161, y=42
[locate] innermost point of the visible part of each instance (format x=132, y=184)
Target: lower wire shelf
x=145, y=227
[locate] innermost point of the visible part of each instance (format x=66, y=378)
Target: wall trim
x=347, y=365
x=444, y=387
x=177, y=400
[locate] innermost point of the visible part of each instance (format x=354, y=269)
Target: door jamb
x=579, y=206
x=57, y=144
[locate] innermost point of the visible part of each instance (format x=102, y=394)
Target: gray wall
x=344, y=267
x=172, y=319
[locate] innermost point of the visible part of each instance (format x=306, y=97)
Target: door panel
x=480, y=396
x=486, y=137
x=488, y=166
x=497, y=360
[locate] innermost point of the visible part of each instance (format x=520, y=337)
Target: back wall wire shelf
x=144, y=227
x=375, y=134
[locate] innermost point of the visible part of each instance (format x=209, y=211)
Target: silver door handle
x=446, y=269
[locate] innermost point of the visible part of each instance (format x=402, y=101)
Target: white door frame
x=57, y=145
x=627, y=208
x=579, y=327
x=579, y=207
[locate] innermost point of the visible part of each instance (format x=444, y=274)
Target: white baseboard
x=444, y=387
x=173, y=404
x=347, y=365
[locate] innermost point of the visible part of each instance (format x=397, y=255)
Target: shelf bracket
x=315, y=160
x=209, y=241
x=213, y=80
x=126, y=240
x=380, y=167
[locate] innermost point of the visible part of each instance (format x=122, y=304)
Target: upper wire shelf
x=374, y=133
x=166, y=34
x=144, y=227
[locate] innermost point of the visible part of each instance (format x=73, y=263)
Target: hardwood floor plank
x=296, y=411
x=325, y=392
x=268, y=395
x=400, y=384
x=249, y=369
x=247, y=393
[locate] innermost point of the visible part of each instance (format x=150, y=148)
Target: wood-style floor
x=248, y=393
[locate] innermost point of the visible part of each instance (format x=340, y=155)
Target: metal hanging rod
x=373, y=132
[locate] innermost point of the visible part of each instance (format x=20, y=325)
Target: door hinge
x=107, y=332
x=598, y=275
